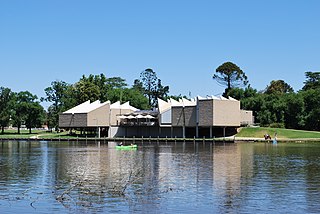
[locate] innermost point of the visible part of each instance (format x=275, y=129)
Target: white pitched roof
x=212, y=97
x=86, y=107
x=163, y=105
x=115, y=105
x=126, y=105
x=223, y=98
x=201, y=98
x=174, y=102
x=188, y=102
x=231, y=98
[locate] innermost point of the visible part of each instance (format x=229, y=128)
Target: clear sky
x=182, y=41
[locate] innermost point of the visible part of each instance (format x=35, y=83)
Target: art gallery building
x=200, y=117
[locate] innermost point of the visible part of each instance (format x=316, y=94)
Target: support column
x=197, y=131
x=184, y=124
x=184, y=132
x=224, y=131
x=197, y=118
x=109, y=131
x=210, y=131
x=171, y=131
x=98, y=131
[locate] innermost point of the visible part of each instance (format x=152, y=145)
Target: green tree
x=86, y=89
x=240, y=93
x=27, y=110
x=5, y=107
x=35, y=115
x=149, y=81
x=236, y=93
x=102, y=82
x=60, y=94
x=138, y=85
x=161, y=91
x=152, y=87
x=313, y=81
x=255, y=103
x=272, y=110
x=115, y=95
x=97, y=87
x=312, y=109
x=230, y=75
x=52, y=118
x=294, y=115
x=278, y=87
x=250, y=92
x=136, y=98
x=116, y=82
x=176, y=97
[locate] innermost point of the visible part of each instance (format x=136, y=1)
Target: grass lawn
x=259, y=132
x=249, y=132
x=13, y=134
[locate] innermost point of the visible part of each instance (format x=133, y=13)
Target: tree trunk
x=229, y=83
x=30, y=130
x=2, y=130
x=18, y=129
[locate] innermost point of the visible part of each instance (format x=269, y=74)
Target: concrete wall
x=165, y=118
x=214, y=112
x=176, y=116
x=226, y=113
x=73, y=120
x=246, y=117
x=205, y=113
x=99, y=116
x=181, y=115
x=114, y=115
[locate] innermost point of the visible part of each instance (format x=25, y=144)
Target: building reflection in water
x=232, y=165
x=171, y=178
x=104, y=174
x=146, y=174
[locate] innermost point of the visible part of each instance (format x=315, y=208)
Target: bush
x=277, y=125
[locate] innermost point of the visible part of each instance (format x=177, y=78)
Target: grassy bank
x=259, y=132
x=247, y=132
x=13, y=134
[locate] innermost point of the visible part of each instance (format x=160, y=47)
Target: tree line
x=275, y=106
x=24, y=108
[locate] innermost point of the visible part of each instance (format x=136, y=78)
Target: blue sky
x=182, y=41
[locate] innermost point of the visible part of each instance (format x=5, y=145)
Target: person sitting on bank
x=267, y=136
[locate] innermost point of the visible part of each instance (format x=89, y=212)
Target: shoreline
x=232, y=139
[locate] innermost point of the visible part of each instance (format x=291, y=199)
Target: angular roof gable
x=86, y=107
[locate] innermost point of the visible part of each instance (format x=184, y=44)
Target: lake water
x=65, y=177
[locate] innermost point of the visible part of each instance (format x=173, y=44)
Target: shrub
x=277, y=125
